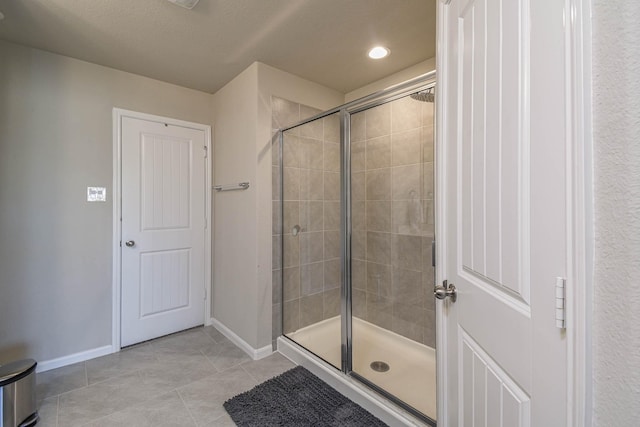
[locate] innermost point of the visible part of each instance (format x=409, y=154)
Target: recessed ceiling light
x=379, y=52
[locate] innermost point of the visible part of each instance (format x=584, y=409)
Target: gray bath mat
x=297, y=398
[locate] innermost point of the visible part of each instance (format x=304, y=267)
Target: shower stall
x=354, y=228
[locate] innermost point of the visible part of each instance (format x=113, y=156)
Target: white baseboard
x=255, y=354
x=74, y=358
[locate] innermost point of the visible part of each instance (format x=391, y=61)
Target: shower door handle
x=446, y=290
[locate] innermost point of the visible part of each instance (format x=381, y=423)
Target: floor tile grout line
x=195, y=423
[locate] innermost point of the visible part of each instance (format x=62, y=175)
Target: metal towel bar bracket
x=232, y=187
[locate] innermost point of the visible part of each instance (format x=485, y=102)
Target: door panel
x=163, y=215
x=504, y=211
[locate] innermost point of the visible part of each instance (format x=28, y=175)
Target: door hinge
x=561, y=302
x=205, y=293
x=206, y=152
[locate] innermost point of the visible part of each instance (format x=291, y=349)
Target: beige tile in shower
x=429, y=215
x=311, y=247
x=359, y=303
x=312, y=215
x=378, y=121
x=332, y=277
x=428, y=181
x=291, y=251
x=331, y=303
x=311, y=153
x=311, y=309
x=359, y=274
x=283, y=113
x=332, y=156
x=291, y=151
x=427, y=259
x=291, y=215
x=331, y=215
x=276, y=322
x=407, y=287
x=427, y=113
x=406, y=147
x=428, y=143
x=358, y=186
x=331, y=186
x=359, y=244
x=406, y=252
x=406, y=113
x=358, y=156
x=410, y=330
x=314, y=129
x=311, y=278
x=311, y=184
x=379, y=279
x=379, y=311
x=291, y=316
x=276, y=286
x=332, y=128
x=276, y=218
x=331, y=244
x=379, y=247
x=291, y=282
x=407, y=217
x=358, y=127
x=378, y=216
x=359, y=215
x=291, y=184
x=378, y=184
x=378, y=152
x=406, y=182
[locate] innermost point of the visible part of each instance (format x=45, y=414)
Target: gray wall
x=616, y=120
x=55, y=248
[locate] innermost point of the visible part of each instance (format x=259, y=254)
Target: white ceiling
x=321, y=40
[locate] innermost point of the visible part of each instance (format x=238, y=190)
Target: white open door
x=164, y=193
x=503, y=221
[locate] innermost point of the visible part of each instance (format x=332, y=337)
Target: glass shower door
x=392, y=230
x=311, y=237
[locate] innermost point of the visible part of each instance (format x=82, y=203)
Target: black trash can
x=18, y=394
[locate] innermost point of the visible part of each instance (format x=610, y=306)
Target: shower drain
x=379, y=366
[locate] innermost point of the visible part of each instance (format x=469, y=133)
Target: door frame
x=118, y=115
x=579, y=218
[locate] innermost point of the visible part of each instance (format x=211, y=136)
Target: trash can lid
x=14, y=371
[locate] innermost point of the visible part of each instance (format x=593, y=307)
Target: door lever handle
x=446, y=290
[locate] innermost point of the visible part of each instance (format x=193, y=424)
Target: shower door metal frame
x=393, y=93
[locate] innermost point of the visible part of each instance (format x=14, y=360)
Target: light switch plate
x=96, y=194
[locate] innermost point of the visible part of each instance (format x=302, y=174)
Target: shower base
x=411, y=376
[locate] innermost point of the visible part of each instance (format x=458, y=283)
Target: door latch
x=446, y=290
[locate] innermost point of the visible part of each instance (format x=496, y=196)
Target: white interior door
x=163, y=229
x=504, y=193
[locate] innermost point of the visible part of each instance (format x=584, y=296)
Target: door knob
x=130, y=243
x=296, y=230
x=446, y=290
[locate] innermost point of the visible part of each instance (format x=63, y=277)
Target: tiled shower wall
x=392, y=206
x=311, y=162
x=393, y=218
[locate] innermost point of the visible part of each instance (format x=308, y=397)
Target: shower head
x=426, y=95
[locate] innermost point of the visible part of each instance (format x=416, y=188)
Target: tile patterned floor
x=179, y=380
